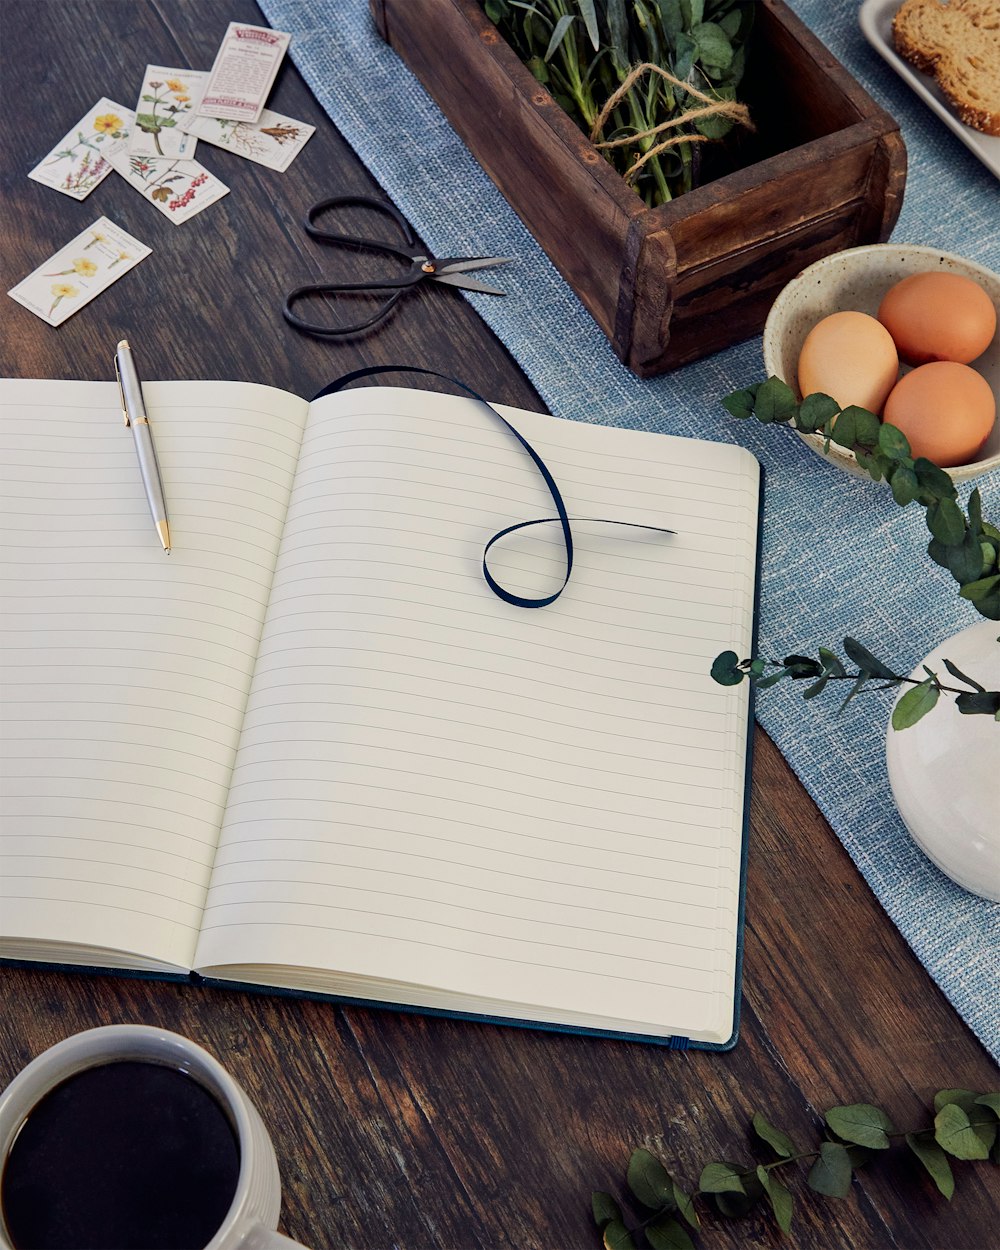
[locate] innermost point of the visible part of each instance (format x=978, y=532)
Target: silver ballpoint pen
x=134, y=410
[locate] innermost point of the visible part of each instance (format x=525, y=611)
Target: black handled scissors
x=422, y=267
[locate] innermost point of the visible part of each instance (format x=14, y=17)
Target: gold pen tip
x=124, y=343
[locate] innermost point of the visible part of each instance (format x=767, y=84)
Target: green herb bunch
x=587, y=51
x=964, y=1126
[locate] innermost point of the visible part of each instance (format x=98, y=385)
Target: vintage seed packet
x=85, y=267
x=79, y=162
x=244, y=72
x=274, y=141
x=166, y=98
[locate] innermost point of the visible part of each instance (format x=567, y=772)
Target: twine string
x=711, y=107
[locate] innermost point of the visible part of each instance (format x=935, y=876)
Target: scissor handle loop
x=365, y=201
x=336, y=332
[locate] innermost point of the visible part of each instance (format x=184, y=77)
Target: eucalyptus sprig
x=729, y=670
x=963, y=543
x=584, y=51
x=964, y=1126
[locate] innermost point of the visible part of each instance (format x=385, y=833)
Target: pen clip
x=121, y=391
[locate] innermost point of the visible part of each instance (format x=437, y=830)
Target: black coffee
x=125, y=1156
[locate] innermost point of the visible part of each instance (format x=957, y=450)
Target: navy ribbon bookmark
x=519, y=601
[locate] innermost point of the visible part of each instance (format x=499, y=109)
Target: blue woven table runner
x=839, y=556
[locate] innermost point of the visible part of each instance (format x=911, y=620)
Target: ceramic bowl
x=856, y=280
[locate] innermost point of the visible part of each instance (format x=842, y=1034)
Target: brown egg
x=850, y=357
x=946, y=410
x=938, y=316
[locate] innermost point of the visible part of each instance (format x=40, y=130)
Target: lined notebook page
x=448, y=799
x=126, y=671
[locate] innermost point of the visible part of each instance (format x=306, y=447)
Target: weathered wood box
x=824, y=170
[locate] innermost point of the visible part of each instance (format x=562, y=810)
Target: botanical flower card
x=244, y=72
x=274, y=141
x=85, y=267
x=179, y=189
x=167, y=97
x=80, y=160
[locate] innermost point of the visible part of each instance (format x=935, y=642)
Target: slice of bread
x=959, y=43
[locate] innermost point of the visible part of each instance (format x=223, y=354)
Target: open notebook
x=311, y=749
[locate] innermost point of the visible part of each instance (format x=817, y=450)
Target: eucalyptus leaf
x=831, y=663
x=775, y=401
x=844, y=428
x=831, y=1173
x=945, y=522
x=685, y=1205
x=725, y=669
x=814, y=412
x=957, y=672
x=868, y=428
x=666, y=1233
x=722, y=1178
x=985, y=704
x=649, y=1181
x=779, y=1198
x=980, y=589
x=893, y=443
x=934, y=1160
x=604, y=1208
x=976, y=512
x=934, y=479
x=617, y=1237
x=991, y=1100
x=965, y=560
x=912, y=707
x=779, y=1142
x=954, y=1132
x=740, y=403
x=865, y=660
x=903, y=484
x=861, y=1123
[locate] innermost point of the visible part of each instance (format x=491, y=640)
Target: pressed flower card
x=178, y=188
x=80, y=160
x=85, y=267
x=244, y=72
x=166, y=98
x=274, y=141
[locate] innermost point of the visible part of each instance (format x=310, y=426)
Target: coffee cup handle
x=261, y=1238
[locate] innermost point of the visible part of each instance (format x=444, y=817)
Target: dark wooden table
x=398, y=1130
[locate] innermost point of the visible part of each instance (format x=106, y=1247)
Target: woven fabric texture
x=840, y=557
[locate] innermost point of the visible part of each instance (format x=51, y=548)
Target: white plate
x=876, y=23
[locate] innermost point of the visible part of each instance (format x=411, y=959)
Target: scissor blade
x=467, y=284
x=459, y=264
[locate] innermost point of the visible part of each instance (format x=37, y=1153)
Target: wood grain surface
x=395, y=1130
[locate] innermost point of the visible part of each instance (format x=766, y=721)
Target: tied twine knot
x=711, y=106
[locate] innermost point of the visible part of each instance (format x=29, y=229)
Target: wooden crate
x=825, y=170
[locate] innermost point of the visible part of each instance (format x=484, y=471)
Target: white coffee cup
x=252, y=1218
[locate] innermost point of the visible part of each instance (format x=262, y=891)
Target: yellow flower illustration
x=175, y=84
x=85, y=268
x=96, y=237
x=119, y=258
x=62, y=290
x=181, y=99
x=107, y=123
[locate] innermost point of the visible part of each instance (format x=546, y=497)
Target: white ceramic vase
x=945, y=770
